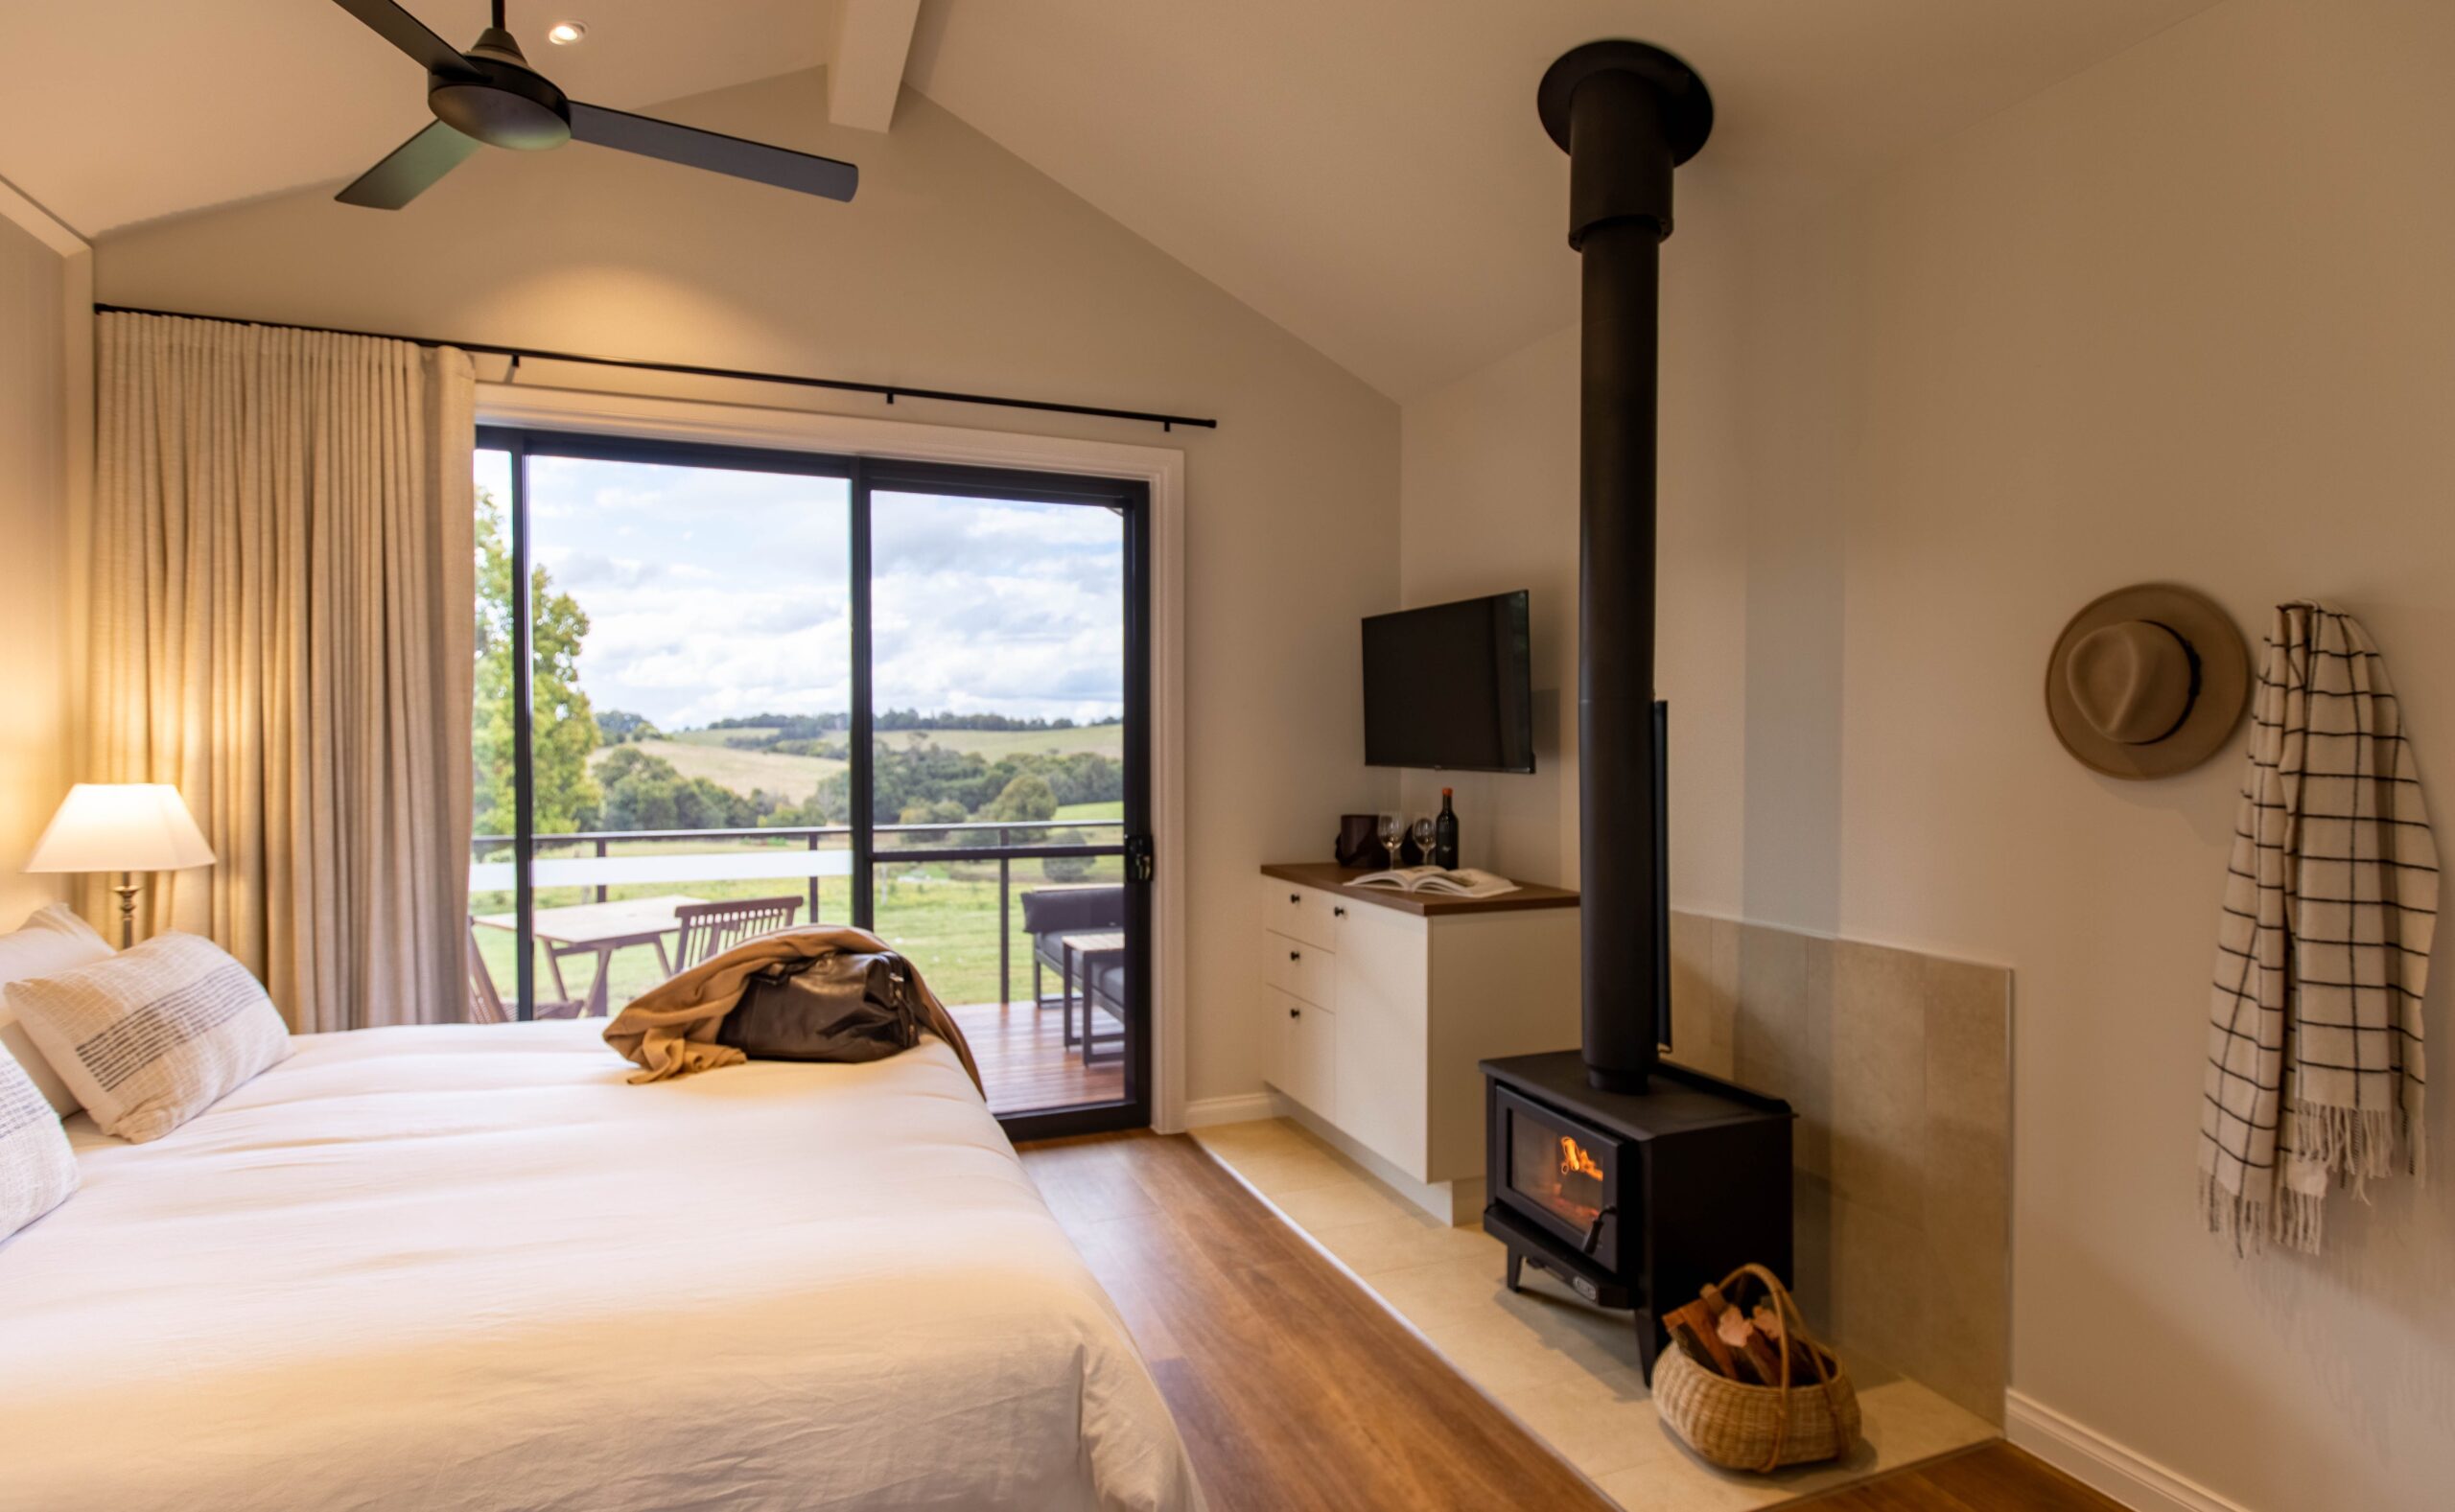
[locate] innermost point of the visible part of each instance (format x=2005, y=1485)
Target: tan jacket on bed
x=671, y=1029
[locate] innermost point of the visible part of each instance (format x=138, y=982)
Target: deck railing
x=799, y=852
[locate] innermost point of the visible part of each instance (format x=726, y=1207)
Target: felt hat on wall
x=2148, y=680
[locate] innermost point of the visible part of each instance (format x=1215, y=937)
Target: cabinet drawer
x=1302, y=912
x=1300, y=971
x=1306, y=1062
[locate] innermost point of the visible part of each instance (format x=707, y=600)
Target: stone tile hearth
x=1566, y=1370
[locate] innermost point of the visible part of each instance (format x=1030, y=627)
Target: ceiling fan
x=490, y=96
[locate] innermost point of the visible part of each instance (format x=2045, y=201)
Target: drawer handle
x=1295, y=955
x=1296, y=1013
x=1338, y=913
x=1293, y=899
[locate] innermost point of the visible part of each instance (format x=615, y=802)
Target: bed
x=472, y=1267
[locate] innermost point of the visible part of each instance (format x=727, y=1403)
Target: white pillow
x=38, y=1169
x=153, y=1037
x=51, y=941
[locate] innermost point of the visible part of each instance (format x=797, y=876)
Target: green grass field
x=793, y=776
x=943, y=916
x=1106, y=740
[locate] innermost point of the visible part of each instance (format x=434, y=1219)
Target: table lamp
x=124, y=827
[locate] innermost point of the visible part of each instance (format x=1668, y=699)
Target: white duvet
x=473, y=1267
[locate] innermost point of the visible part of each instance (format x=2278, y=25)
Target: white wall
x=34, y=486
x=958, y=267
x=2189, y=316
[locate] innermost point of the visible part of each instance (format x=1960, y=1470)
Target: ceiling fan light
x=563, y=33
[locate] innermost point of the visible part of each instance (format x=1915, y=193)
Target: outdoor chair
x=1051, y=913
x=710, y=928
x=486, y=1005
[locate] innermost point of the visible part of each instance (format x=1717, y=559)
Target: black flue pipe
x=1627, y=113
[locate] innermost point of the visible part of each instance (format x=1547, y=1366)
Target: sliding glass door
x=1009, y=776
x=725, y=691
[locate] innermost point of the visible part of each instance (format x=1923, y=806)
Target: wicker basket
x=1742, y=1426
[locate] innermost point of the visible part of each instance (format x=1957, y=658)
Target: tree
x=564, y=730
x=1026, y=798
x=1065, y=868
x=615, y=725
x=646, y=792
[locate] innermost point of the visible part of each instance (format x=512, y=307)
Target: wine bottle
x=1444, y=835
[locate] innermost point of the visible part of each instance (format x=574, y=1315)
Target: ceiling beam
x=865, y=62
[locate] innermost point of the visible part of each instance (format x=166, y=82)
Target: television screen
x=1448, y=687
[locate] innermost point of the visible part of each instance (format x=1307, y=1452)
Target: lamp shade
x=121, y=826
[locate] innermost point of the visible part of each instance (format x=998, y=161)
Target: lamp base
x=127, y=890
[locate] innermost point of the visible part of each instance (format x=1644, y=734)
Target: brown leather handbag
x=844, y=1005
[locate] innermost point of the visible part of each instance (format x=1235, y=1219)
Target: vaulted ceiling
x=1368, y=173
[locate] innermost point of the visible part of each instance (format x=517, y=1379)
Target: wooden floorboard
x=1026, y=1063
x=1992, y=1477
x=1292, y=1388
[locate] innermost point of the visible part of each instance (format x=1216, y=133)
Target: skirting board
x=1243, y=1108
x=2101, y=1464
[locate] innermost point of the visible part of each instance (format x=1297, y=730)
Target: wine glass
x=1423, y=838
x=1393, y=834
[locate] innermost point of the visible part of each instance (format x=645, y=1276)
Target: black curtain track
x=890, y=391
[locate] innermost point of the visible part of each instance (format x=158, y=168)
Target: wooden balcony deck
x=1024, y=1059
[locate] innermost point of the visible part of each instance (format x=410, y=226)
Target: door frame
x=1160, y=469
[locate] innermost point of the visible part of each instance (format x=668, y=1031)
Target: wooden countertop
x=1333, y=878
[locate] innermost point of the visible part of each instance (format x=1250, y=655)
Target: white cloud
x=728, y=594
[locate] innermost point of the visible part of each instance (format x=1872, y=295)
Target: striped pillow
x=38, y=1170
x=154, y=1036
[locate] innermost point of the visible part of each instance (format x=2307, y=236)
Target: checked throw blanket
x=2322, y=949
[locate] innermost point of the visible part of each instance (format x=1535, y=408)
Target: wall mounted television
x=1448, y=687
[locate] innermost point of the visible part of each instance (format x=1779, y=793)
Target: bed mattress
x=473, y=1267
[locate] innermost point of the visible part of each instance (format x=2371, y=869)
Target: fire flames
x=1575, y=1161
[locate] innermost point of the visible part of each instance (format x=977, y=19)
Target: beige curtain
x=284, y=595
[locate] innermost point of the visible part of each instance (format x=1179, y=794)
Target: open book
x=1464, y=882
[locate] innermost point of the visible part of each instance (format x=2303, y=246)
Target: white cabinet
x=1378, y=1012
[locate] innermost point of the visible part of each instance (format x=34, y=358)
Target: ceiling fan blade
x=410, y=34
x=410, y=170
x=715, y=152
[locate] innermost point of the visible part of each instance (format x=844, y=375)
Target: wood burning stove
x=1635, y=1200
x=1634, y=1180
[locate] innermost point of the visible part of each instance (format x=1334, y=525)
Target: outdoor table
x=1091, y=951
x=600, y=929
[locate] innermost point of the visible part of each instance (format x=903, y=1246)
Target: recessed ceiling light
x=563, y=33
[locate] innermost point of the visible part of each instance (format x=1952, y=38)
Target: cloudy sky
x=712, y=593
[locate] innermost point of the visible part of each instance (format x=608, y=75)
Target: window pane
x=692, y=699
x=997, y=636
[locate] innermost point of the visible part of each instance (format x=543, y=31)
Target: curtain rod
x=891, y=391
